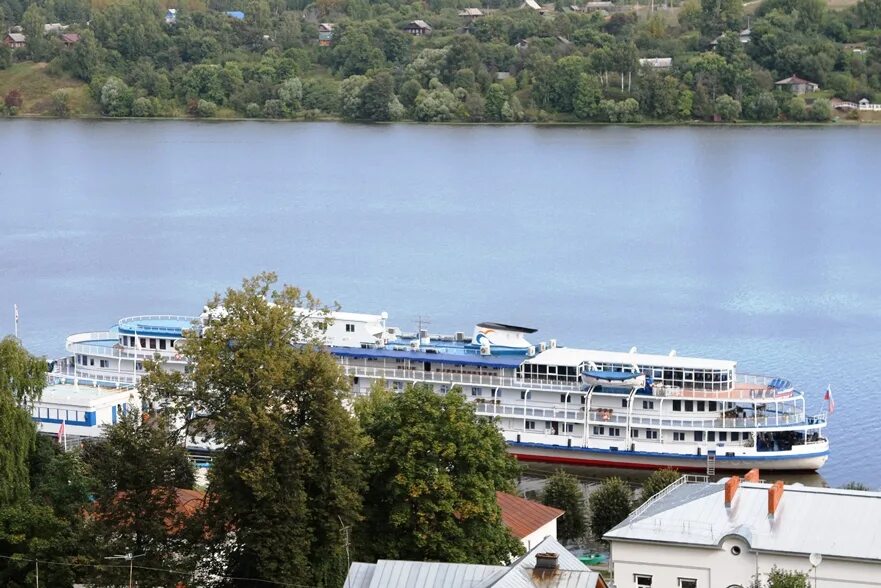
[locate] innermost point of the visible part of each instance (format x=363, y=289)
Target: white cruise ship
x=552, y=403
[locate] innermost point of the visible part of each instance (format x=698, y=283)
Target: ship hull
x=651, y=461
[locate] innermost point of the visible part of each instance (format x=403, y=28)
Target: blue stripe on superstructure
x=89, y=421
x=448, y=358
x=668, y=455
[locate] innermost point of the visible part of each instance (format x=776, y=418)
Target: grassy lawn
x=36, y=87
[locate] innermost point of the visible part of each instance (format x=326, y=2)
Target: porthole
x=735, y=550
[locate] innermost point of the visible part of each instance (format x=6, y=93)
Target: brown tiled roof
x=523, y=516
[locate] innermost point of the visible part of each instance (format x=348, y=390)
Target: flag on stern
x=61, y=432
x=828, y=398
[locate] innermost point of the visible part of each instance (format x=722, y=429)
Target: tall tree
x=433, y=468
x=137, y=469
x=285, y=479
x=609, y=505
x=564, y=492
x=659, y=480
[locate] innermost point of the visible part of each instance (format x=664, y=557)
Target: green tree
x=350, y=96
x=137, y=468
x=433, y=468
x=5, y=56
x=496, y=103
x=796, y=109
x=291, y=94
x=286, y=477
x=869, y=13
x=321, y=94
x=116, y=97
x=377, y=97
x=563, y=491
x=778, y=578
x=32, y=24
x=437, y=105
x=587, y=97
x=61, y=103
x=821, y=110
x=659, y=480
x=764, y=107
x=728, y=108
x=856, y=486
x=609, y=505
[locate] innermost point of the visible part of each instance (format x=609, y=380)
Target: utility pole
x=130, y=558
x=37, y=562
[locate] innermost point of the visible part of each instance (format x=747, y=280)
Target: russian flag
x=828, y=398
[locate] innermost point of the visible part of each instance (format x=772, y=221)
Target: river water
x=755, y=244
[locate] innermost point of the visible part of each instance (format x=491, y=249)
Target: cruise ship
x=552, y=403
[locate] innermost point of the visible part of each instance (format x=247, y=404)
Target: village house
x=15, y=40
x=325, y=34
x=235, y=14
x=418, y=27
x=171, y=16
x=70, y=39
x=532, y=4
x=864, y=104
x=528, y=520
x=471, y=13
x=54, y=28
x=797, y=85
x=701, y=534
x=656, y=62
x=743, y=36
x=547, y=565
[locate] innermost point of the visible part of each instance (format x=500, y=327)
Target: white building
x=528, y=520
x=697, y=534
x=547, y=565
x=82, y=409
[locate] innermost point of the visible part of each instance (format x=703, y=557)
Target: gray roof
x=571, y=573
x=17, y=37
x=834, y=523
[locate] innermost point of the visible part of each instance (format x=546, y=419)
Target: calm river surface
x=756, y=244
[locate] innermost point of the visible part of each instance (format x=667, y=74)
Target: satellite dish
x=815, y=559
x=633, y=349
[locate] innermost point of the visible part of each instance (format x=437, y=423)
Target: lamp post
x=130, y=558
x=816, y=559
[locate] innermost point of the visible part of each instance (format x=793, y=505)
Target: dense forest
x=555, y=62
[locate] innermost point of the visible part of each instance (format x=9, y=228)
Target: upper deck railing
x=124, y=323
x=78, y=344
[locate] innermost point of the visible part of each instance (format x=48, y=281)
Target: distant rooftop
x=524, y=517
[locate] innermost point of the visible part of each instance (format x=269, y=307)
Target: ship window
x=583, y=399
x=570, y=427
x=651, y=434
x=634, y=433
x=623, y=403
x=444, y=389
x=641, y=580
x=723, y=435
x=711, y=436
x=477, y=391
x=143, y=342
x=398, y=386
x=735, y=436
x=162, y=343
x=530, y=425
x=701, y=406
x=104, y=363
x=687, y=583
x=712, y=405
x=648, y=404
x=677, y=405
x=699, y=436
x=152, y=343
x=91, y=361
x=139, y=366
x=599, y=430
x=564, y=398
x=689, y=405
x=678, y=436
x=350, y=328
x=525, y=395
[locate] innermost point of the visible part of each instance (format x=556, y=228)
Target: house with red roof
x=527, y=520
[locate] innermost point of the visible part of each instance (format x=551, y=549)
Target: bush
x=659, y=480
x=821, y=110
x=143, y=107
x=727, y=108
x=206, y=109
x=252, y=110
x=273, y=109
x=116, y=97
x=13, y=101
x=564, y=492
x=61, y=103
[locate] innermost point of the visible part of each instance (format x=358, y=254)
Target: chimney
x=545, y=561
x=731, y=487
x=752, y=475
x=775, y=494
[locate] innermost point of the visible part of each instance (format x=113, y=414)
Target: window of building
x=599, y=430
x=677, y=405
x=614, y=432
x=139, y=366
x=477, y=391
x=699, y=436
x=105, y=363
x=735, y=436
x=564, y=398
x=623, y=403
x=678, y=436
x=143, y=342
x=350, y=328
x=711, y=436
x=152, y=343
x=524, y=395
x=570, y=428
x=687, y=583
x=648, y=404
x=651, y=434
x=162, y=343
x=530, y=425
x=583, y=399
x=712, y=405
x=642, y=580
x=689, y=406
x=91, y=361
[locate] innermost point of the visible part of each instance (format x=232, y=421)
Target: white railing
x=606, y=416
x=686, y=479
x=455, y=378
x=492, y=409
x=78, y=344
x=92, y=377
x=146, y=329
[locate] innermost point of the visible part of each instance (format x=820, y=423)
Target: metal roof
x=570, y=356
x=524, y=517
x=571, y=573
x=834, y=523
